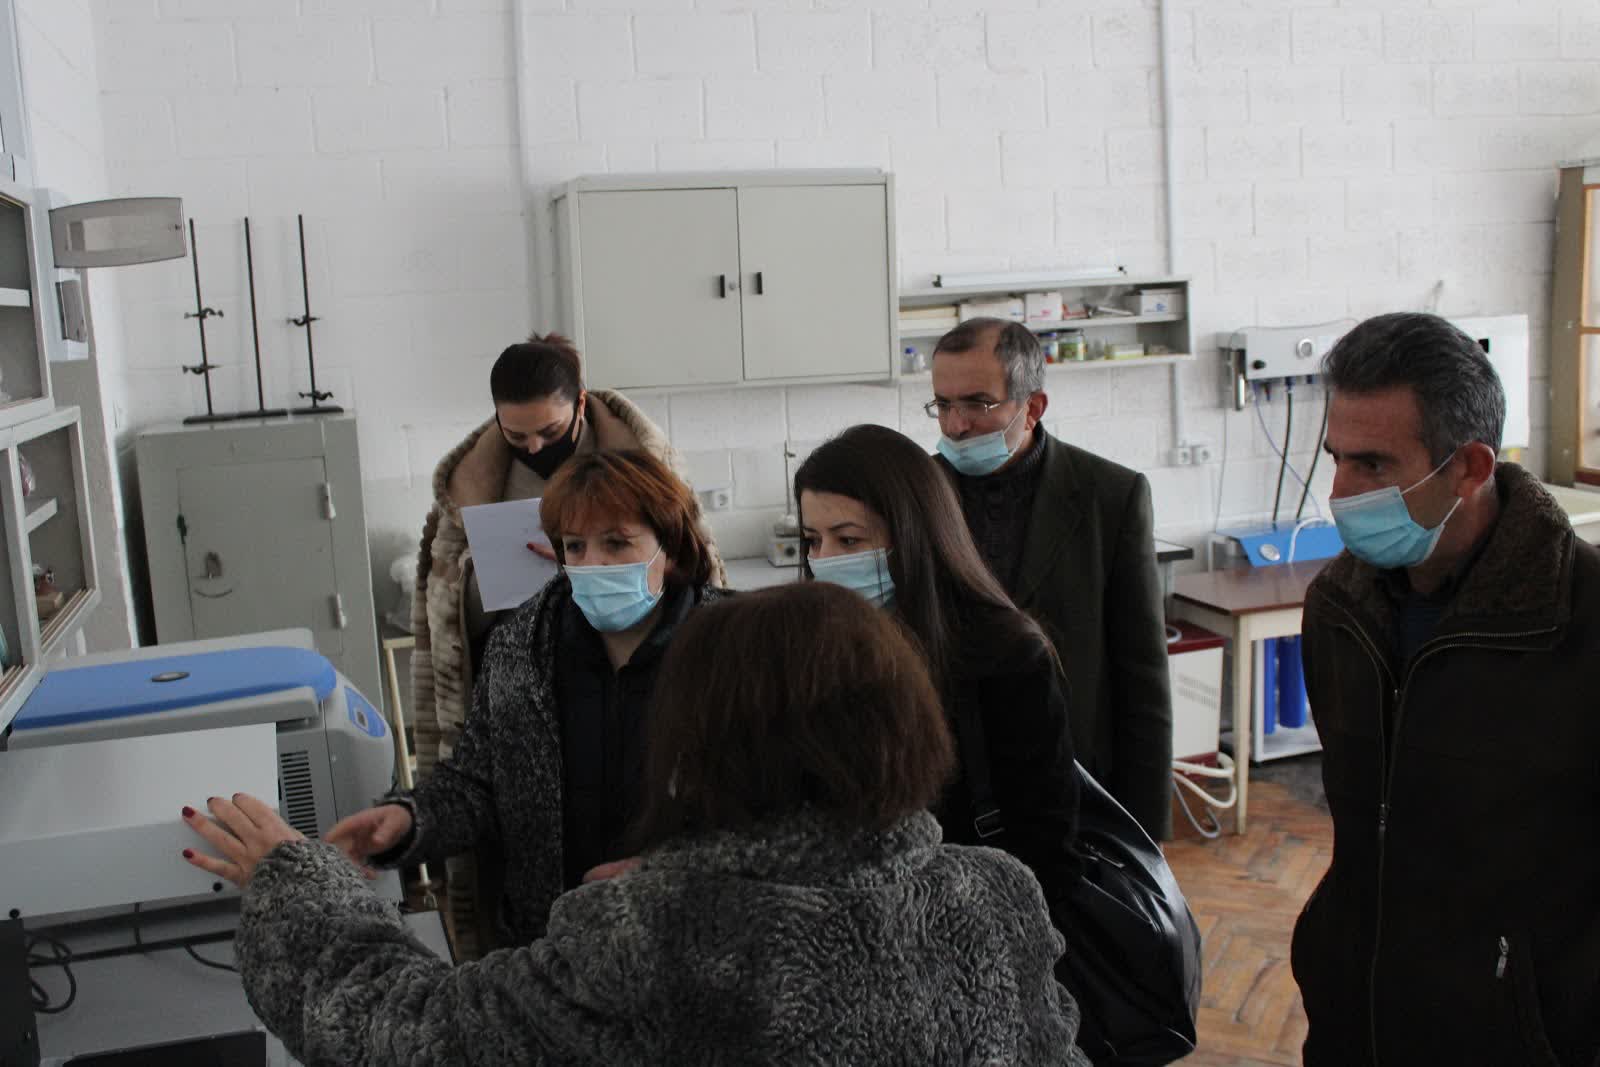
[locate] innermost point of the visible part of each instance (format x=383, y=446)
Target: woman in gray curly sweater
x=793, y=904
x=545, y=777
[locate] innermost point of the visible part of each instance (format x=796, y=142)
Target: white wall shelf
x=937, y=294
x=56, y=527
x=64, y=624
x=27, y=305
x=1086, y=365
x=40, y=513
x=1095, y=322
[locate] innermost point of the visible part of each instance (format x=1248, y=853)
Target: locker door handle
x=328, y=511
x=340, y=621
x=722, y=287
x=760, y=286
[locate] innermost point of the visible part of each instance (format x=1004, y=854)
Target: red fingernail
x=188, y=812
x=188, y=853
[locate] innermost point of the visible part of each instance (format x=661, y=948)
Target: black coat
x=1459, y=922
x=502, y=789
x=1022, y=714
x=1089, y=576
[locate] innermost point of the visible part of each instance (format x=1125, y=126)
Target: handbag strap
x=987, y=820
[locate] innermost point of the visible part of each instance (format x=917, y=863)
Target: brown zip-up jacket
x=1459, y=922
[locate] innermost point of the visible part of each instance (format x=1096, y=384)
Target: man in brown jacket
x=1452, y=658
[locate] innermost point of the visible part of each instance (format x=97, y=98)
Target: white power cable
x=1301, y=525
x=1183, y=775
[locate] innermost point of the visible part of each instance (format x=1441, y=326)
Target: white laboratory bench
x=756, y=573
x=131, y=1000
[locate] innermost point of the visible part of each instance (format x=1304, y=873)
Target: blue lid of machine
x=74, y=695
x=1287, y=542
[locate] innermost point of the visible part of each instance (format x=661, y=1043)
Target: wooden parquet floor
x=1246, y=893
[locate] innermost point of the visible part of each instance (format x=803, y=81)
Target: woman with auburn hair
x=792, y=905
x=545, y=778
x=544, y=416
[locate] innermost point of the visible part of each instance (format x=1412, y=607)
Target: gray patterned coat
x=801, y=944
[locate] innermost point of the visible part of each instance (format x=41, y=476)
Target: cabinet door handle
x=340, y=620
x=722, y=286
x=760, y=286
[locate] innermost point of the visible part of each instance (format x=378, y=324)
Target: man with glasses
x=1069, y=535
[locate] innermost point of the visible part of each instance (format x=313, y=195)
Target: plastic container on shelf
x=1074, y=347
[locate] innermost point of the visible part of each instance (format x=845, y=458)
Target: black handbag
x=1132, y=960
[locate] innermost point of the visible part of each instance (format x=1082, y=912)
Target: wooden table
x=1245, y=605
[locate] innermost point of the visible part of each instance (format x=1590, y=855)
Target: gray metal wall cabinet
x=761, y=278
x=259, y=525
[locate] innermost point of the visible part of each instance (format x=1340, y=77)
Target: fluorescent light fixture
x=1002, y=278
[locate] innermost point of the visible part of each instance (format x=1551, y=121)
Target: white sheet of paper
x=508, y=571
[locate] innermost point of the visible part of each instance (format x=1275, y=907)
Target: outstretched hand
x=242, y=831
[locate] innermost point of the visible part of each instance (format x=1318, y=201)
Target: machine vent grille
x=297, y=793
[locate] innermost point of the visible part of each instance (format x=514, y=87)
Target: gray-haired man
x=1452, y=656
x=1069, y=535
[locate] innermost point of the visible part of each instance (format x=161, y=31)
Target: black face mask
x=548, y=459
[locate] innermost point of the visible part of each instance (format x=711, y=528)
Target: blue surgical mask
x=614, y=597
x=980, y=455
x=1378, y=528
x=866, y=573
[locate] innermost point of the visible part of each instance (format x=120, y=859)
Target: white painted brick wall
x=643, y=109
x=1525, y=31
x=428, y=51
x=984, y=100
x=1296, y=94
x=249, y=122
x=1390, y=91
x=1467, y=89
x=788, y=43
x=1333, y=160
x=1035, y=41
x=1323, y=35
x=1255, y=37
x=927, y=42
x=380, y=117
x=587, y=46
x=695, y=44
x=1560, y=88
x=316, y=51
x=1346, y=149
x=880, y=103
x=1427, y=36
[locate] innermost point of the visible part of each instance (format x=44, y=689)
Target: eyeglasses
x=967, y=409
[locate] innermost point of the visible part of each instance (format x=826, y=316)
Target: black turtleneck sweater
x=997, y=507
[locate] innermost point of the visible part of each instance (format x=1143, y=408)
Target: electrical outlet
x=1181, y=456
x=718, y=499
x=1202, y=452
